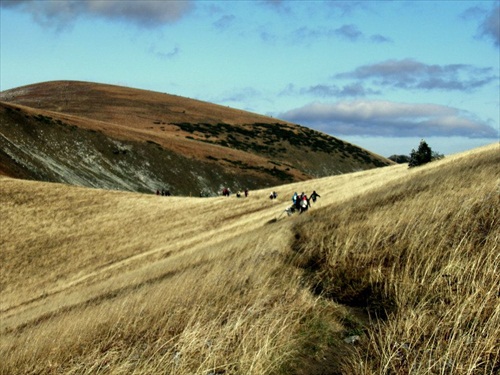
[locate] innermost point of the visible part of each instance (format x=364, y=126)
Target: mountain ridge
x=141, y=140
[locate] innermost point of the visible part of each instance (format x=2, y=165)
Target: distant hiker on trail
x=273, y=195
x=226, y=192
x=315, y=195
x=301, y=203
x=304, y=203
x=246, y=193
x=297, y=201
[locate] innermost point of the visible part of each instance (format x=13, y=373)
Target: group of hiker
x=226, y=192
x=302, y=202
x=163, y=192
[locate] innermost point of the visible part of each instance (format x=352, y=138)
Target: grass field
x=404, y=262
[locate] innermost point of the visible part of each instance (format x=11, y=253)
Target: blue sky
x=379, y=74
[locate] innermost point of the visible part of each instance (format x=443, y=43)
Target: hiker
x=290, y=210
x=304, y=203
x=315, y=195
x=246, y=193
x=297, y=203
x=294, y=198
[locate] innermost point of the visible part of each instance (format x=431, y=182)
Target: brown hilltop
x=117, y=137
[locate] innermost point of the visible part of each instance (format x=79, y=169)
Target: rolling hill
x=114, y=137
x=393, y=270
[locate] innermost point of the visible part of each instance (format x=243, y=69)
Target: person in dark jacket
x=314, y=195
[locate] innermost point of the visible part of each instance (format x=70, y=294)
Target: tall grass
x=220, y=314
x=116, y=283
x=421, y=256
x=151, y=293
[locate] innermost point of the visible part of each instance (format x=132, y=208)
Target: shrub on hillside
x=405, y=159
x=423, y=155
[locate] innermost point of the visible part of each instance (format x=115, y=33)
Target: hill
x=114, y=137
x=392, y=270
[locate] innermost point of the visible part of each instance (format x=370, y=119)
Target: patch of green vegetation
x=275, y=172
x=269, y=138
x=202, y=128
x=278, y=173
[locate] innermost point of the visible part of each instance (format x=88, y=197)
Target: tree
x=422, y=156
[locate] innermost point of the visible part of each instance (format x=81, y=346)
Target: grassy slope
x=113, y=282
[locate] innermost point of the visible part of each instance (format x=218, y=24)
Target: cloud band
x=384, y=118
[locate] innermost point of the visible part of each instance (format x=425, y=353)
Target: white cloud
x=61, y=13
x=384, y=118
x=413, y=74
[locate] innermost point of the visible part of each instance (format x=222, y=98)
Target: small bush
x=422, y=156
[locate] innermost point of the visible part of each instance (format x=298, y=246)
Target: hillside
x=393, y=270
x=114, y=137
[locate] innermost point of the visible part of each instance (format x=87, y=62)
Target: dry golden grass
x=422, y=257
x=108, y=282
